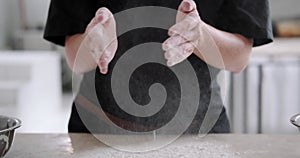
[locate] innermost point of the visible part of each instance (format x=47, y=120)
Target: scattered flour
x=191, y=149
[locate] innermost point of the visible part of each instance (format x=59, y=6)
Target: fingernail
x=188, y=51
x=103, y=18
x=103, y=64
x=99, y=15
x=103, y=71
x=169, y=63
x=187, y=6
x=166, y=46
x=171, y=33
x=167, y=55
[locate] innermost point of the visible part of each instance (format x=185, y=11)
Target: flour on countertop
x=192, y=149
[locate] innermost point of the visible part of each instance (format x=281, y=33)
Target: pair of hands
x=101, y=39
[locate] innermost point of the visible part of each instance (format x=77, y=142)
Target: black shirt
x=246, y=17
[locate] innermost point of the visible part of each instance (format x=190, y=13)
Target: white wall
x=9, y=21
x=2, y=23
x=35, y=10
x=33, y=79
x=285, y=8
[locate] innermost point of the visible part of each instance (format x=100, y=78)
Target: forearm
x=234, y=49
x=79, y=59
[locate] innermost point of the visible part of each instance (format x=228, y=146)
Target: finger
x=100, y=18
x=185, y=48
x=187, y=6
x=100, y=37
x=102, y=15
x=179, y=53
x=91, y=41
x=113, y=45
x=103, y=10
x=104, y=61
x=191, y=35
x=107, y=56
x=188, y=23
x=173, y=41
x=178, y=39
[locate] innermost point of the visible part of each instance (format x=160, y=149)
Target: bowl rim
x=294, y=120
x=17, y=125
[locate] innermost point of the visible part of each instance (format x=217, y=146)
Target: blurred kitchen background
x=36, y=83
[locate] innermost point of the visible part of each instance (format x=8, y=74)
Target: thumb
x=187, y=6
x=102, y=16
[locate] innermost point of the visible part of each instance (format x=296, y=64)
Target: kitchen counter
x=211, y=146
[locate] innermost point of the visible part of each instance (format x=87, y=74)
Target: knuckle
x=193, y=17
x=189, y=48
x=107, y=56
x=165, y=46
x=181, y=39
x=104, y=57
x=104, y=64
x=193, y=21
x=191, y=36
x=189, y=22
x=184, y=37
x=174, y=28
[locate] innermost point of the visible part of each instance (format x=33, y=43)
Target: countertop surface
x=211, y=146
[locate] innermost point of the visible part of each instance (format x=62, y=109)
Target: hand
x=101, y=38
x=184, y=34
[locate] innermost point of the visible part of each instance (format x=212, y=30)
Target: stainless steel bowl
x=7, y=132
x=295, y=120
